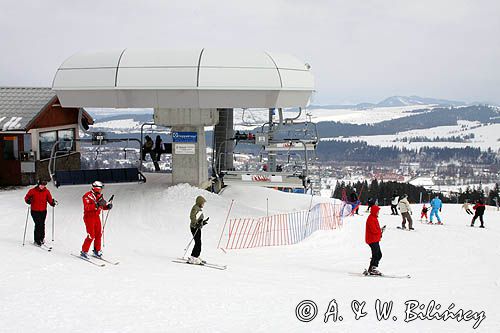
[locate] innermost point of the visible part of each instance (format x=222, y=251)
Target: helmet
x=97, y=186
x=41, y=182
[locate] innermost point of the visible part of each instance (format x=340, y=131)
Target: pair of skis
x=390, y=276
x=203, y=264
x=43, y=247
x=405, y=229
x=97, y=261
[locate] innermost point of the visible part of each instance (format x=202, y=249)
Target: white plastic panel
x=93, y=59
x=287, y=61
x=85, y=78
x=160, y=58
x=239, y=78
x=160, y=78
x=235, y=58
x=238, y=99
x=296, y=79
x=88, y=98
x=168, y=79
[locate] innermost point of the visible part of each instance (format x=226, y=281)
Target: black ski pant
x=197, y=242
x=376, y=254
x=480, y=218
x=39, y=219
x=394, y=209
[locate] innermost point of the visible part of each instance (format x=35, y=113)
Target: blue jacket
x=436, y=203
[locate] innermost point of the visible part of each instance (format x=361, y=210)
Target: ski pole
x=26, y=225
x=53, y=224
x=187, y=247
x=106, y=219
x=224, y=228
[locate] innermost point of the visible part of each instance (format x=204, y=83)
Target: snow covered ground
x=485, y=136
x=259, y=292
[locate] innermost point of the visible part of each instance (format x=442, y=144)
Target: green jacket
x=196, y=222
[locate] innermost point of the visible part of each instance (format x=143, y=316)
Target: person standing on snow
x=479, y=207
x=423, y=213
x=197, y=222
x=466, y=206
x=355, y=202
x=394, y=204
x=436, y=205
x=373, y=235
x=404, y=207
x=38, y=197
x=93, y=204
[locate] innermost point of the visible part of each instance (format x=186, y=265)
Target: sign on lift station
x=184, y=136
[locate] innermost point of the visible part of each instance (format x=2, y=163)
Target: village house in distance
x=31, y=121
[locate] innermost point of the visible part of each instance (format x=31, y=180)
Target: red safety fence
x=282, y=229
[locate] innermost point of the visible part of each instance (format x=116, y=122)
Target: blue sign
x=184, y=136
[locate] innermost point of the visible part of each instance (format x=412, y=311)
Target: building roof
x=200, y=78
x=19, y=105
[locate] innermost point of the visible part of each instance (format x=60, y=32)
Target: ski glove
x=205, y=221
x=101, y=202
x=28, y=201
x=109, y=206
x=54, y=203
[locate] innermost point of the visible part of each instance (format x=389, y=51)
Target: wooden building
x=31, y=121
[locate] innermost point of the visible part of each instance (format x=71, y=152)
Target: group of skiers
x=93, y=203
x=373, y=232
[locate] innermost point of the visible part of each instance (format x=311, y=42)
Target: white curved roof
x=206, y=78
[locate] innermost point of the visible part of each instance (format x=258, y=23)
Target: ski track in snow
x=148, y=227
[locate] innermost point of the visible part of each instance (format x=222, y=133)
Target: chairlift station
x=188, y=90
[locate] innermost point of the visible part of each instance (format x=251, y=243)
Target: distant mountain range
x=394, y=101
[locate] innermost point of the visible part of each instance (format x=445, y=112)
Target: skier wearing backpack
x=436, y=205
x=197, y=221
x=93, y=204
x=38, y=197
x=373, y=235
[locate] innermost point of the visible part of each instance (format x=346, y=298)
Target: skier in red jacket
x=373, y=235
x=37, y=198
x=93, y=203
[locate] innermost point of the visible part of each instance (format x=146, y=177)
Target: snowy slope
x=146, y=292
x=485, y=136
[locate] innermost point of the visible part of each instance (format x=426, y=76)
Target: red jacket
x=479, y=208
x=373, y=233
x=38, y=199
x=91, y=209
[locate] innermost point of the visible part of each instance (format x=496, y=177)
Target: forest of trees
x=425, y=119
x=383, y=191
x=361, y=151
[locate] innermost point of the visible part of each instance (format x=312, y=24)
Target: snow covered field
x=486, y=136
x=259, y=292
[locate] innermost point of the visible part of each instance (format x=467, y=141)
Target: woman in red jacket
x=373, y=235
x=93, y=203
x=37, y=198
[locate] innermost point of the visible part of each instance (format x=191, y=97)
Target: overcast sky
x=359, y=50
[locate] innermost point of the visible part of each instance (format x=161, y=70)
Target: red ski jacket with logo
x=38, y=199
x=373, y=233
x=91, y=209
